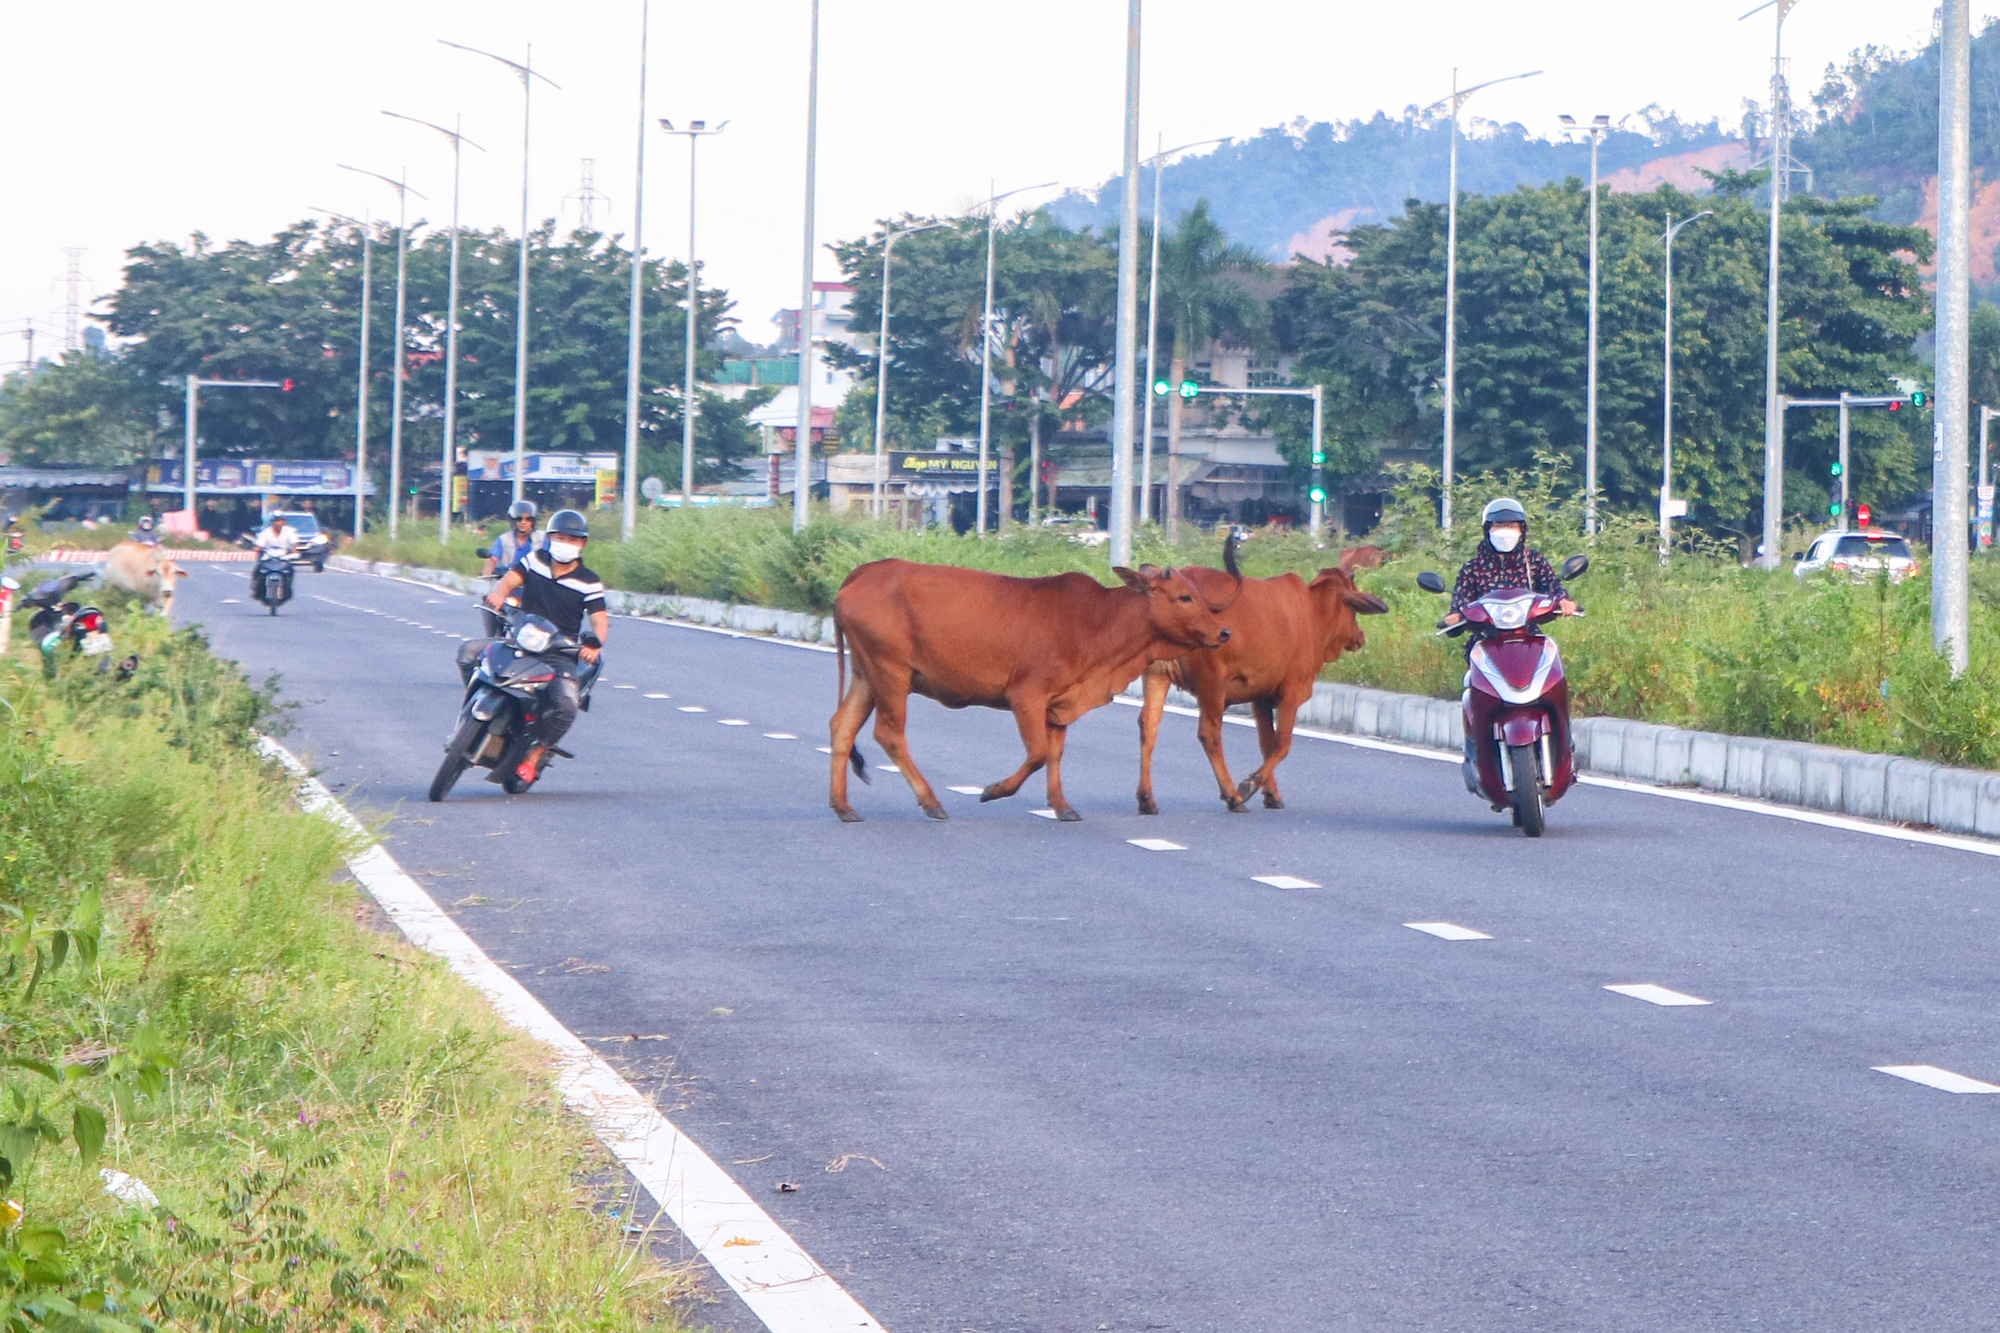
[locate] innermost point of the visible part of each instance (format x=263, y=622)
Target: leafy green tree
x=1853, y=305
x=84, y=409
x=1202, y=295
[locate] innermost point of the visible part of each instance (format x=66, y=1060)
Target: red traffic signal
x=286, y=386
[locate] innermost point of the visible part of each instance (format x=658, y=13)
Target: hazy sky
x=135, y=122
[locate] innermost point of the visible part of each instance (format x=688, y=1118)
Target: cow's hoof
x=1271, y=801
x=1245, y=787
x=936, y=812
x=1147, y=807
x=1237, y=805
x=848, y=816
x=993, y=793
x=1069, y=816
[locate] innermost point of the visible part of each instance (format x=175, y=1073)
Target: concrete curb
x=1811, y=777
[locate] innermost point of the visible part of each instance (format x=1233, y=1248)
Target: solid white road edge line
x=780, y=1283
x=1950, y=841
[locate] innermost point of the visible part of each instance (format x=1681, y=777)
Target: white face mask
x=1504, y=539
x=564, y=552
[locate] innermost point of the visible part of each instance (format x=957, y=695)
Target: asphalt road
x=1089, y=1086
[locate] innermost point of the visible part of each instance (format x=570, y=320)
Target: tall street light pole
x=450, y=449
x=992, y=206
x=526, y=73
x=882, y=358
x=1456, y=100
x=361, y=379
x=1667, y=510
x=403, y=191
x=1125, y=367
x=1951, y=610
x=693, y=134
x=1159, y=165
x=1597, y=129
x=634, y=319
x=802, y=468
x=1774, y=407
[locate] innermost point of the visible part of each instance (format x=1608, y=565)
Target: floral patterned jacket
x=1489, y=569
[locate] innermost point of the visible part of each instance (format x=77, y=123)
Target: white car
x=1859, y=555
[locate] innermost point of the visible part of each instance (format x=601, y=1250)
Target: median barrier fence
x=1794, y=773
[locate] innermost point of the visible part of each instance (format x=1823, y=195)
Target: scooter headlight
x=1510, y=614
x=533, y=638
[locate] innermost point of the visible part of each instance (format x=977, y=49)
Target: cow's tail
x=840, y=655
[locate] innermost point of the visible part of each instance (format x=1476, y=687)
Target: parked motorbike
x=1519, y=754
x=504, y=695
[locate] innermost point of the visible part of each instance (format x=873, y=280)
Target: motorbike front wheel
x=1525, y=763
x=457, y=756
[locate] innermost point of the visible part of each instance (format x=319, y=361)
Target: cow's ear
x=1364, y=603
x=1155, y=573
x=1131, y=578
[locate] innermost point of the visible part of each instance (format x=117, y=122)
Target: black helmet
x=521, y=509
x=1504, y=510
x=569, y=523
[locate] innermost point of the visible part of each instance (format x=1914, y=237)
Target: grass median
x=317, y=1126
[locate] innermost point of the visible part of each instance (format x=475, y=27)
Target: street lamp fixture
x=882, y=355
x=992, y=207
x=1455, y=100
x=450, y=455
x=1158, y=162
x=695, y=131
x=1599, y=127
x=402, y=188
x=361, y=392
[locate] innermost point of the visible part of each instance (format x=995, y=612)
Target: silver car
x=314, y=545
x=1859, y=555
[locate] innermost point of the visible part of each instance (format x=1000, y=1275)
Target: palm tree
x=1201, y=295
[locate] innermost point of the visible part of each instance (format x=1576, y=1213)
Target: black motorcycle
x=271, y=581
x=505, y=693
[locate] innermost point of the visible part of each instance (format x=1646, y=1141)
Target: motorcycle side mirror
x=1574, y=566
x=1430, y=582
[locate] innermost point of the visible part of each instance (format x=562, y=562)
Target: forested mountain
x=1866, y=127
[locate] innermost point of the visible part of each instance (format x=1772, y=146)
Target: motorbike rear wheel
x=457, y=757
x=1525, y=763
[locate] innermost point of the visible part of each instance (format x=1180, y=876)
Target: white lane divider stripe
x=780, y=736
x=967, y=791
x=1285, y=882
x=693, y=708
x=1651, y=994
x=1445, y=930
x=659, y=696
x=1155, y=844
x=1045, y=814
x=824, y=749
x=1941, y=1079
x=624, y=687
x=732, y=722
x=773, y=1274
x=888, y=768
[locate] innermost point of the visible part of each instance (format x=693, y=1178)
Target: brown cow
x=1282, y=631
x=146, y=570
x=1048, y=650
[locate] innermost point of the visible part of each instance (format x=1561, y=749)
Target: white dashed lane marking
x=1045, y=814
x=780, y=736
x=1941, y=1079
x=1153, y=844
x=1445, y=930
x=693, y=708
x=888, y=768
x=659, y=696
x=624, y=687
x=732, y=722
x=967, y=791
x=1285, y=881
x=232, y=601
x=1651, y=994
x=824, y=749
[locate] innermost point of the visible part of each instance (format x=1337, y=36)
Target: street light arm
x=389, y=181
x=1160, y=157
x=1463, y=93
x=453, y=135
x=1022, y=190
x=524, y=71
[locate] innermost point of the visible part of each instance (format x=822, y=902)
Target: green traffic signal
x=1918, y=398
x=1833, y=510
x=1161, y=387
x=1318, y=458
x=1835, y=469
x=1189, y=388
x=1318, y=494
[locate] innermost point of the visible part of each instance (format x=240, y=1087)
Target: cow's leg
x=1157, y=684
x=1058, y=737
x=1274, y=735
x=1209, y=729
x=1031, y=715
x=891, y=714
x=846, y=725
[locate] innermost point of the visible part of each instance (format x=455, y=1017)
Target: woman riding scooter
x=1505, y=560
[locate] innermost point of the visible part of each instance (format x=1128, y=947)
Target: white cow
x=146, y=570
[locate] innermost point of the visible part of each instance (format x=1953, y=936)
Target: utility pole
x=1125, y=368
x=587, y=198
x=403, y=191
x=1669, y=510
x=73, y=300
x=1774, y=409
x=889, y=240
x=1951, y=610
x=629, y=492
x=802, y=478
x=693, y=134
x=1597, y=129
x=1147, y=393
x=367, y=229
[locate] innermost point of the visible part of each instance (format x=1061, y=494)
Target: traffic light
x=1833, y=509
x=1918, y=398
x=1895, y=407
x=1835, y=469
x=1189, y=389
x=286, y=386
x=1161, y=388
x=1318, y=458
x=1318, y=494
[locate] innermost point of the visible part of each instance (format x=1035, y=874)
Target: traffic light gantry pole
x=1846, y=403
x=195, y=384
x=1314, y=392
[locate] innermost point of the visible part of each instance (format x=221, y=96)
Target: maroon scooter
x=1518, y=752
